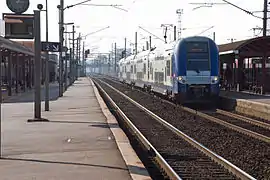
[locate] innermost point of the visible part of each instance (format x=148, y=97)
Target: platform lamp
x=47, y=93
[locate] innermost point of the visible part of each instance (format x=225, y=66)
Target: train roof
x=196, y=38
x=162, y=49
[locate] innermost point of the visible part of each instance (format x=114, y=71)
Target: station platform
x=247, y=103
x=81, y=141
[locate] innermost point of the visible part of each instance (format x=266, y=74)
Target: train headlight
x=214, y=79
x=182, y=79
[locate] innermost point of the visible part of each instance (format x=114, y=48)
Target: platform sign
x=19, y=26
x=51, y=46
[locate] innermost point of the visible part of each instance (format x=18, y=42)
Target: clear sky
x=228, y=21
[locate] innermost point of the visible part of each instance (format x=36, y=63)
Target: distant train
x=187, y=72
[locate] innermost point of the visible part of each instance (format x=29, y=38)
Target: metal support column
x=264, y=58
x=136, y=43
x=150, y=42
x=115, y=58
x=70, y=65
x=23, y=72
x=47, y=91
x=37, y=63
x=66, y=69
x=17, y=73
x=125, y=48
x=73, y=54
x=79, y=61
x=10, y=58
x=61, y=22
x=83, y=60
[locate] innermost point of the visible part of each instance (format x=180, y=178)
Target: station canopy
x=255, y=47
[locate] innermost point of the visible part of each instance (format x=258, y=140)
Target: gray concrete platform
x=250, y=104
x=77, y=143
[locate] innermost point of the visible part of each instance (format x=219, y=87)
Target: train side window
x=168, y=68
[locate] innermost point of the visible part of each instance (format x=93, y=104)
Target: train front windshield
x=198, y=56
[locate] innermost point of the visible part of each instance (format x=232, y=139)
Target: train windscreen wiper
x=197, y=71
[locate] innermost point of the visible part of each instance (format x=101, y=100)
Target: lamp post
x=47, y=93
x=61, y=22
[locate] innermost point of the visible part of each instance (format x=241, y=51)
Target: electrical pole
x=109, y=69
x=83, y=62
x=77, y=57
x=125, y=48
x=115, y=58
x=179, y=12
x=79, y=71
x=66, y=67
x=136, y=43
x=61, y=22
x=264, y=58
x=73, y=64
x=265, y=18
x=174, y=33
x=70, y=65
x=150, y=42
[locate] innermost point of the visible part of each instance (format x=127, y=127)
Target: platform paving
x=77, y=143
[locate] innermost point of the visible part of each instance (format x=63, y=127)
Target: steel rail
x=245, y=119
x=159, y=159
x=218, y=159
x=229, y=125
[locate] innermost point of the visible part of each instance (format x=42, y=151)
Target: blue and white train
x=187, y=72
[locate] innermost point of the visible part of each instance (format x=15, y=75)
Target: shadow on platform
x=28, y=97
x=92, y=124
x=62, y=163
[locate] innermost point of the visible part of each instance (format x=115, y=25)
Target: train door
x=168, y=71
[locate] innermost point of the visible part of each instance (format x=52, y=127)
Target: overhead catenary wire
x=246, y=11
x=116, y=6
x=151, y=34
x=80, y=3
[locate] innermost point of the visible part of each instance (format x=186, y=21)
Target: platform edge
x=249, y=107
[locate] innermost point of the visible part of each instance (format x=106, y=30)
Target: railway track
x=256, y=129
x=178, y=155
x=246, y=152
x=233, y=122
x=258, y=122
